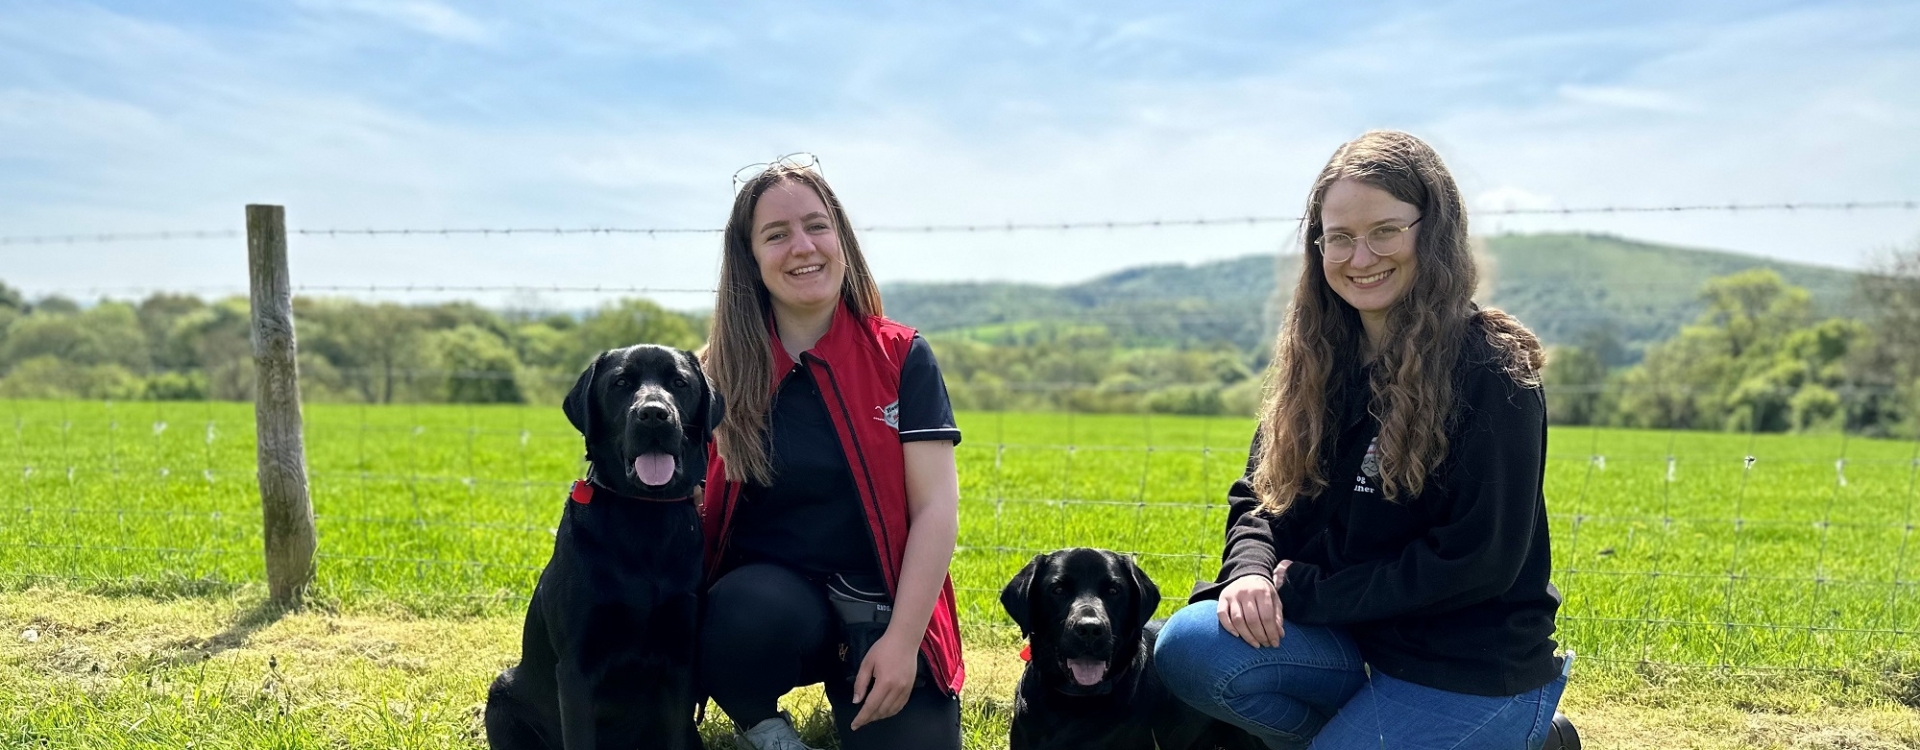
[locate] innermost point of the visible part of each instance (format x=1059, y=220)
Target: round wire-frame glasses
x=796, y=160
x=1339, y=248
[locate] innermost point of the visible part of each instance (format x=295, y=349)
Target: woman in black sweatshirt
x=1384, y=581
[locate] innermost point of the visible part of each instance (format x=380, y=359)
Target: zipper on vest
x=936, y=662
x=872, y=497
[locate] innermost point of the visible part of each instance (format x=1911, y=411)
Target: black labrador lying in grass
x=1090, y=682
x=606, y=656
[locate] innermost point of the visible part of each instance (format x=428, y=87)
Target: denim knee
x=1185, y=657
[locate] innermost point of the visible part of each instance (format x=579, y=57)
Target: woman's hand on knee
x=1249, y=608
x=886, y=678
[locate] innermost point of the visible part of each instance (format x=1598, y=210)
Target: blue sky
x=424, y=113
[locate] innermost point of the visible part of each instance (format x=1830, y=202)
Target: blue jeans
x=1314, y=690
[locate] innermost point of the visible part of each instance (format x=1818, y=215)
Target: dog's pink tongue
x=654, y=469
x=1087, y=672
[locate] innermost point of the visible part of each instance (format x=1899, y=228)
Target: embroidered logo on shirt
x=890, y=414
x=1369, y=468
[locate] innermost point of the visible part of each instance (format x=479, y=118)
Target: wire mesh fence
x=1695, y=549
x=1717, y=550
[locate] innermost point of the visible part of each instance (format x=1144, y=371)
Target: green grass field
x=1789, y=579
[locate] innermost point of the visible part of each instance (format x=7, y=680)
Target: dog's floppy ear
x=579, y=402
x=1017, y=597
x=1146, y=595
x=712, y=407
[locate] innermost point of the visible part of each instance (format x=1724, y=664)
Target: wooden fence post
x=284, y=505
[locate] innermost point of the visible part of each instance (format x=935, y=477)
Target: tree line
x=181, y=347
x=1759, y=357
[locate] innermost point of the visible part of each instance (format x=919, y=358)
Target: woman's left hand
x=886, y=678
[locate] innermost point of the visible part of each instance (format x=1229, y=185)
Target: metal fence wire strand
x=171, y=235
x=1729, y=618
x=1900, y=584
x=1667, y=532
x=1821, y=577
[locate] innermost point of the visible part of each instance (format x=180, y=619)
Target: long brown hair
x=1321, y=344
x=738, y=354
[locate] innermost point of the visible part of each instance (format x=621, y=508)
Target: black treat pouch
x=864, y=609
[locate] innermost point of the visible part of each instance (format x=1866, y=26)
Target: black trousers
x=765, y=630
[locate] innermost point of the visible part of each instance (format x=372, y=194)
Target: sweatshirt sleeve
x=1492, y=488
x=1254, y=540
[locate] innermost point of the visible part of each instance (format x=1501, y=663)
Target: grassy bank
x=114, y=672
x=1710, y=596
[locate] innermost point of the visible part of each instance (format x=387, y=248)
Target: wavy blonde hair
x=738, y=352
x=1321, y=343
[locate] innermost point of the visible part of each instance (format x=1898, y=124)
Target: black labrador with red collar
x=606, y=656
x=1090, y=682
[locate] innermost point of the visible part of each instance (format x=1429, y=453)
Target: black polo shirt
x=810, y=518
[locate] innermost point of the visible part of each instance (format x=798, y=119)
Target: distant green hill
x=1563, y=285
x=1168, y=304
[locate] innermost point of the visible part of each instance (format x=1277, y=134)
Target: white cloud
x=1626, y=97
x=424, y=16
x=917, y=121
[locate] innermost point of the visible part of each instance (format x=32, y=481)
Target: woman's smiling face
x=797, y=247
x=1369, y=281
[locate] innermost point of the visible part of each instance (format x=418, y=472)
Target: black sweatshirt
x=1447, y=589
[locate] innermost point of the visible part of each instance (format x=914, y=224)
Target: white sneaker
x=776, y=733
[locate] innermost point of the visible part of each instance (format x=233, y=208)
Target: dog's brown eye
x=679, y=382
x=621, y=382
x=1059, y=589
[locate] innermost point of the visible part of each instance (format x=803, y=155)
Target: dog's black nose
x=1089, y=628
x=654, y=412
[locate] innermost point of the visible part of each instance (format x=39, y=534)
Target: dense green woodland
x=1642, y=335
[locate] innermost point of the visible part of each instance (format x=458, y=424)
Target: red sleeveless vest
x=857, y=366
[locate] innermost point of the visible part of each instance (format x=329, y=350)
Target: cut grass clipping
x=1715, y=601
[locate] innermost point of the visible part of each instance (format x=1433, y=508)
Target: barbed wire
x=237, y=290
x=471, y=288
x=1122, y=296
x=503, y=231
x=1006, y=226
x=110, y=237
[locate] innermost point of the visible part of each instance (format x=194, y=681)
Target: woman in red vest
x=832, y=497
